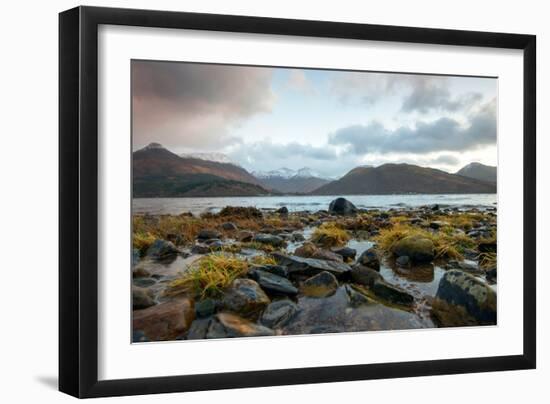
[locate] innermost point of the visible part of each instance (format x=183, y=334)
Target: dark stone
x=228, y=325
x=321, y=285
x=270, y=239
x=462, y=289
x=135, y=257
x=144, y=282
x=274, y=269
x=245, y=236
x=369, y=258
x=206, y=234
x=356, y=298
x=346, y=252
x=200, y=249
x=245, y=297
x=487, y=247
x=165, y=321
x=282, y=211
x=364, y=275
x=161, y=249
x=205, y=307
x=403, y=261
x=229, y=226
x=139, y=336
x=273, y=283
x=391, y=293
x=341, y=206
x=310, y=266
x=141, y=298
x=321, y=254
x=419, y=249
x=278, y=313
x=297, y=237
x=199, y=328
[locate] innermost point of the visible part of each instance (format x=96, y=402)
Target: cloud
x=298, y=81
x=443, y=134
x=265, y=150
x=195, y=104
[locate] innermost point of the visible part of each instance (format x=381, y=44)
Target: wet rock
x=140, y=272
x=306, y=250
x=419, y=249
x=244, y=236
x=245, y=297
x=228, y=325
x=270, y=239
x=278, y=313
x=364, y=275
x=274, y=269
x=229, y=226
x=135, y=257
x=199, y=328
x=282, y=211
x=346, y=253
x=437, y=224
x=273, y=283
x=469, y=266
x=392, y=293
x=161, y=249
x=144, y=282
x=341, y=206
x=356, y=298
x=311, y=266
x=487, y=247
x=139, y=336
x=214, y=244
x=321, y=285
x=327, y=255
x=165, y=321
x=297, y=237
x=403, y=261
x=205, y=307
x=462, y=289
x=369, y=258
x=141, y=298
x=200, y=249
x=206, y=234
x=491, y=274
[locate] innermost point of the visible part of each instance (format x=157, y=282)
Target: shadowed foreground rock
x=228, y=325
x=311, y=266
x=462, y=289
x=165, y=321
x=245, y=296
x=417, y=248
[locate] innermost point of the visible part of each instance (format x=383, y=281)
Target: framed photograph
x=250, y=201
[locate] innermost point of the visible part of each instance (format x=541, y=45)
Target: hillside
x=479, y=171
x=285, y=180
x=403, y=179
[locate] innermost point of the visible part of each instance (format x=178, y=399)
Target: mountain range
x=157, y=172
x=286, y=180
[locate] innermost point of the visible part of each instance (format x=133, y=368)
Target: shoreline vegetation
x=246, y=272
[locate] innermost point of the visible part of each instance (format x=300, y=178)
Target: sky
x=331, y=121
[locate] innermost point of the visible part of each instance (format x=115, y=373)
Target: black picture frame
x=78, y=200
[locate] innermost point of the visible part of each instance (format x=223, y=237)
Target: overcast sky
x=330, y=121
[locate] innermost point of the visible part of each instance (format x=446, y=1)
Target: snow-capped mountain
x=286, y=180
x=216, y=157
x=287, y=173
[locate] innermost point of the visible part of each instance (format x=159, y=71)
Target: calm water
x=312, y=203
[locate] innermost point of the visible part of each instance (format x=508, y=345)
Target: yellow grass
x=330, y=235
x=210, y=275
x=142, y=241
x=263, y=260
x=487, y=260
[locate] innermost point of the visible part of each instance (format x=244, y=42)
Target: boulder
x=282, y=211
x=321, y=285
x=369, y=258
x=462, y=289
x=228, y=325
x=364, y=275
x=278, y=313
x=245, y=236
x=341, y=206
x=141, y=298
x=403, y=261
x=321, y=254
x=311, y=266
x=392, y=293
x=272, y=282
x=165, y=321
x=419, y=249
x=229, y=226
x=206, y=234
x=161, y=249
x=346, y=253
x=245, y=297
x=274, y=269
x=270, y=239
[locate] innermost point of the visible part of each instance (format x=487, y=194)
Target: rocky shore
x=245, y=272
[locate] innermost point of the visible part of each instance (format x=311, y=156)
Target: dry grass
x=330, y=235
x=142, y=241
x=487, y=260
x=263, y=260
x=210, y=275
x=446, y=245
x=463, y=220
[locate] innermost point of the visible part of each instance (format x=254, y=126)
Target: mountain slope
x=157, y=172
x=402, y=179
x=479, y=172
